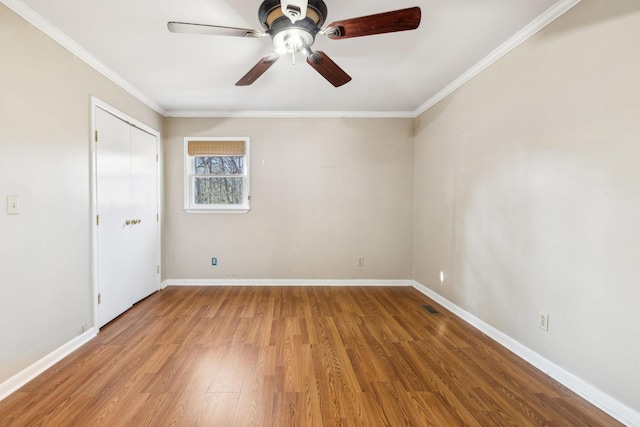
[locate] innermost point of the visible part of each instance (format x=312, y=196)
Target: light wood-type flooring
x=293, y=356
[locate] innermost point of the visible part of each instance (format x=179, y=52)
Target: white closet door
x=127, y=206
x=113, y=188
x=144, y=208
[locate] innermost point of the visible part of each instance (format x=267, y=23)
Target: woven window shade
x=216, y=148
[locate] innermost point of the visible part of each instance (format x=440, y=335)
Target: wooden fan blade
x=213, y=30
x=258, y=70
x=328, y=69
x=388, y=22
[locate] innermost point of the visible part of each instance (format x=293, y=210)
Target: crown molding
x=523, y=35
x=62, y=39
x=294, y=114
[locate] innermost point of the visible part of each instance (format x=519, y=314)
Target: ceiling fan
x=293, y=26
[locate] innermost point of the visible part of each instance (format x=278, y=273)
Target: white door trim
x=97, y=103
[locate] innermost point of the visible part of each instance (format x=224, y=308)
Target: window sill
x=216, y=211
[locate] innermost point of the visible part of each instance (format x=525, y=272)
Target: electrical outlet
x=543, y=321
x=441, y=277
x=360, y=261
x=214, y=261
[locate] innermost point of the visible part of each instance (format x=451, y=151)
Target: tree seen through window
x=218, y=180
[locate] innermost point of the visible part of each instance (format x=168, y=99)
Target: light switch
x=13, y=205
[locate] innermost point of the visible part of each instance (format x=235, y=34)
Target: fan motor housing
x=274, y=21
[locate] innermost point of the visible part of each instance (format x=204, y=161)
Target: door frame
x=95, y=104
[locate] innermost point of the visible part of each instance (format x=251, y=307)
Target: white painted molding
x=523, y=35
x=287, y=282
x=97, y=102
x=608, y=404
x=296, y=114
x=29, y=373
x=62, y=39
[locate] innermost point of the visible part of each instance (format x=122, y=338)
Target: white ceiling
x=186, y=74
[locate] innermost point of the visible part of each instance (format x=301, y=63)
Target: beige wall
x=527, y=195
x=323, y=193
x=45, y=122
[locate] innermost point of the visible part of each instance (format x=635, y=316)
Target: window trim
x=189, y=173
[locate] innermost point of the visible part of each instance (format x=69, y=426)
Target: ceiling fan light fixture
x=292, y=40
x=293, y=26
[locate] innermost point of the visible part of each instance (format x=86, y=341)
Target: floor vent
x=430, y=309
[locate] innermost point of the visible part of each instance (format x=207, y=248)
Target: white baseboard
x=287, y=282
x=608, y=404
x=29, y=373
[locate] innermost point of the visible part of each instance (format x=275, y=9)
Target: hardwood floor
x=293, y=356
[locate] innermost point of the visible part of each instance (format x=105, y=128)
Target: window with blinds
x=216, y=174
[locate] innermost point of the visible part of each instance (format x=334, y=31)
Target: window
x=216, y=175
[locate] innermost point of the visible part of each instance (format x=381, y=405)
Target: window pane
x=218, y=191
x=219, y=165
